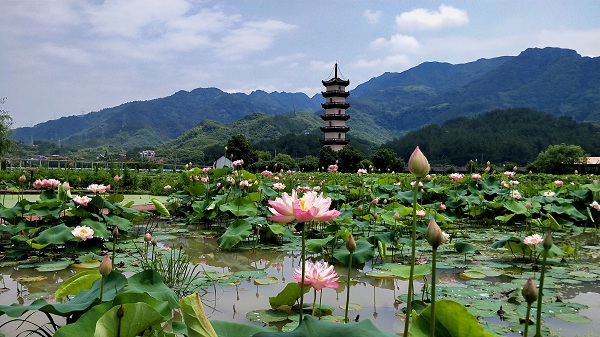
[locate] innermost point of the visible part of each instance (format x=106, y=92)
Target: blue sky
x=62, y=58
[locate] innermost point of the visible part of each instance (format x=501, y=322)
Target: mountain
x=553, y=80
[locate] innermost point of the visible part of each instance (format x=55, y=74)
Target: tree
x=286, y=159
x=309, y=164
x=386, y=159
x=6, y=143
x=327, y=156
x=238, y=147
x=350, y=159
x=557, y=159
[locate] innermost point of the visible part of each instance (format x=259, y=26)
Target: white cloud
x=396, y=62
x=398, y=43
x=372, y=17
x=251, y=37
x=446, y=16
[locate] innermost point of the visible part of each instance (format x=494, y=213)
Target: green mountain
x=557, y=81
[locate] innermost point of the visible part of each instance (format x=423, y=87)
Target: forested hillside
x=512, y=135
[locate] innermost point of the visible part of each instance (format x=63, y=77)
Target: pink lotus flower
x=46, y=183
x=204, y=179
x=317, y=275
x=267, y=173
x=167, y=188
x=83, y=201
x=509, y=174
x=22, y=178
x=533, y=240
x=283, y=208
x=558, y=182
x=332, y=168
x=313, y=206
x=83, y=232
x=96, y=188
x=116, y=178
x=206, y=169
x=476, y=176
x=420, y=213
x=245, y=183
x=279, y=186
x=362, y=171
x=595, y=205
x=442, y=207
x=456, y=176
x=239, y=162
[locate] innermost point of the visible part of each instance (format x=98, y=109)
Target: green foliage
x=6, y=143
x=350, y=159
x=386, y=160
x=238, y=148
x=558, y=159
x=327, y=157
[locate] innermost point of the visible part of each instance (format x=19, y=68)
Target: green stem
x=348, y=290
x=314, y=302
x=101, y=288
x=538, y=320
x=303, y=261
x=412, y=260
x=433, y=281
x=527, y=319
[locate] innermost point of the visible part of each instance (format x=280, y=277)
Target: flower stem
x=314, y=302
x=538, y=320
x=101, y=288
x=348, y=290
x=303, y=261
x=412, y=259
x=433, y=281
x=527, y=319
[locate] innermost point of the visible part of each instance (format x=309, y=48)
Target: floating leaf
x=404, y=271
x=266, y=280
x=573, y=318
x=472, y=274
x=267, y=316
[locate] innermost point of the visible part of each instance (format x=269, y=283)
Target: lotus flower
x=313, y=206
x=83, y=232
x=283, y=208
x=317, y=275
x=83, y=201
x=533, y=240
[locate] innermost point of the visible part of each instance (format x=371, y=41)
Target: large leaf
x=76, y=283
x=57, y=235
x=233, y=329
x=452, y=320
x=316, y=245
x=236, y=232
x=312, y=327
x=240, y=207
x=151, y=283
x=115, y=220
x=404, y=271
x=136, y=318
x=288, y=296
x=195, y=318
x=363, y=253
x=160, y=208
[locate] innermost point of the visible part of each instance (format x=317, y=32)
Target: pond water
x=375, y=299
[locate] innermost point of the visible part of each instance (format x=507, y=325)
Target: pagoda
x=335, y=116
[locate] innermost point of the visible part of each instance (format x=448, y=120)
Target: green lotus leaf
x=76, y=283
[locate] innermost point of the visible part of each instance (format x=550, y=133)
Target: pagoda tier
x=332, y=117
x=335, y=105
x=335, y=128
x=336, y=81
x=334, y=141
x=335, y=93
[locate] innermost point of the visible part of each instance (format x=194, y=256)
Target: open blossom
x=290, y=172
x=476, y=176
x=283, y=208
x=239, y=162
x=313, y=206
x=456, y=176
x=317, y=188
x=549, y=193
x=83, y=232
x=362, y=171
x=318, y=275
x=375, y=201
x=245, y=183
x=412, y=183
x=595, y=205
x=46, y=183
x=279, y=186
x=303, y=189
x=167, y=188
x=332, y=168
x=442, y=207
x=509, y=174
x=558, y=182
x=515, y=194
x=98, y=188
x=206, y=169
x=83, y=201
x=267, y=173
x=420, y=213
x=230, y=180
x=533, y=240
x=204, y=179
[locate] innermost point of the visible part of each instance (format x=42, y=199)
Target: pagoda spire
x=335, y=116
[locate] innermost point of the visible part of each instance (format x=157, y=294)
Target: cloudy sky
x=62, y=58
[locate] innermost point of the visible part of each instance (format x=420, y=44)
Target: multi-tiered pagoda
x=335, y=116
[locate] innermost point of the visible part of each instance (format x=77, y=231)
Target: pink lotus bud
x=442, y=207
x=351, y=244
x=147, y=237
x=529, y=204
x=396, y=216
x=66, y=186
x=529, y=291
x=116, y=178
x=168, y=187
x=434, y=234
x=105, y=266
x=418, y=164
x=22, y=178
x=547, y=243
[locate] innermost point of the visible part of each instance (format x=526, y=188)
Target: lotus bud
x=529, y=291
x=147, y=237
x=515, y=168
x=154, y=242
x=105, y=266
x=418, y=164
x=529, y=204
x=351, y=244
x=547, y=243
x=66, y=186
x=115, y=232
x=120, y=311
x=116, y=178
x=22, y=178
x=396, y=216
x=434, y=234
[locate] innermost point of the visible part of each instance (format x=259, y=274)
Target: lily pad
x=573, y=318
x=266, y=280
x=267, y=316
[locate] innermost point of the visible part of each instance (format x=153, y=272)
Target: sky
x=71, y=57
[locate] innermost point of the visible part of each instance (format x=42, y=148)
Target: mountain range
x=557, y=81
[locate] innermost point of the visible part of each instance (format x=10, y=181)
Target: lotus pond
x=213, y=237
